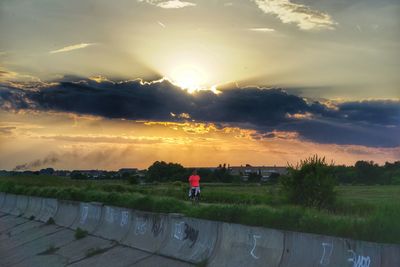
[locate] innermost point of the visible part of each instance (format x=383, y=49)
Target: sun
x=188, y=77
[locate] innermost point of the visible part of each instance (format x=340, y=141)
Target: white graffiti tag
x=124, y=218
x=141, y=226
x=84, y=214
x=359, y=261
x=255, y=237
x=179, y=230
x=328, y=248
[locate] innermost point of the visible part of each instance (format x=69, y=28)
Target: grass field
x=369, y=213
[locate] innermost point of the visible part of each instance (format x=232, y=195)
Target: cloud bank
x=303, y=16
x=171, y=4
x=368, y=123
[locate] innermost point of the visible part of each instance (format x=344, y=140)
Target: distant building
x=93, y=174
x=62, y=173
x=264, y=171
x=124, y=171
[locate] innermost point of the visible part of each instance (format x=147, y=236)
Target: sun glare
x=189, y=78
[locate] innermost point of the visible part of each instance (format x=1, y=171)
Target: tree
x=163, y=172
x=311, y=183
x=367, y=172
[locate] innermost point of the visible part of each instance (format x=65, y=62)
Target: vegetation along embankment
x=307, y=199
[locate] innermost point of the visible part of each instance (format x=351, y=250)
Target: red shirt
x=194, y=180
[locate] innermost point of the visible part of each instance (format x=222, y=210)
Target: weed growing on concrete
x=50, y=221
x=80, y=233
x=95, y=251
x=50, y=250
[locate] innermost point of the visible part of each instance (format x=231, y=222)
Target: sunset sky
x=101, y=84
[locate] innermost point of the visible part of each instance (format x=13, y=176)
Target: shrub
x=50, y=221
x=133, y=179
x=79, y=233
x=310, y=183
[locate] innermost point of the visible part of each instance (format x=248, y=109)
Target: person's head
x=194, y=172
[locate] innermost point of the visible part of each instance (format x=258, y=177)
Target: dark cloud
x=369, y=123
x=49, y=160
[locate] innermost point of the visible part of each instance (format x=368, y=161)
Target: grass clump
x=80, y=233
x=95, y=251
x=49, y=251
x=50, y=221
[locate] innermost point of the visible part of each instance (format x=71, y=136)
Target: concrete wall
x=148, y=231
x=202, y=241
x=114, y=223
x=21, y=205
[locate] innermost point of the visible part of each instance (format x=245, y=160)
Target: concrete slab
x=115, y=257
x=156, y=260
x=19, y=229
x=41, y=245
x=9, y=203
x=10, y=221
x=34, y=207
x=21, y=205
x=241, y=245
x=115, y=223
x=28, y=236
x=48, y=210
x=189, y=239
x=78, y=249
x=148, y=231
x=67, y=213
x=89, y=216
x=43, y=261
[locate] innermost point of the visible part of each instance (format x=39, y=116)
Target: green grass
x=95, y=251
x=370, y=213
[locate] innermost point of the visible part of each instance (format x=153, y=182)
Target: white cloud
x=169, y=4
x=71, y=47
x=161, y=24
x=303, y=16
x=261, y=29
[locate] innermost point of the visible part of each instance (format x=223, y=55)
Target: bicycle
x=195, y=196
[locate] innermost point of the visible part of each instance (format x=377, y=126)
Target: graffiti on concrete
x=124, y=218
x=255, y=237
x=184, y=231
x=191, y=234
x=326, y=254
x=141, y=226
x=84, y=214
x=109, y=215
x=157, y=225
x=359, y=260
x=179, y=230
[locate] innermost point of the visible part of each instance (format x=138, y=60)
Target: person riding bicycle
x=194, y=181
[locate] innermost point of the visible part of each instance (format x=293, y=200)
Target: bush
x=79, y=233
x=133, y=179
x=311, y=183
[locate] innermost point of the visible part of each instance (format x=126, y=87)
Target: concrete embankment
x=172, y=239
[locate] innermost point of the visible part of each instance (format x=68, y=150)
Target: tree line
x=362, y=173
